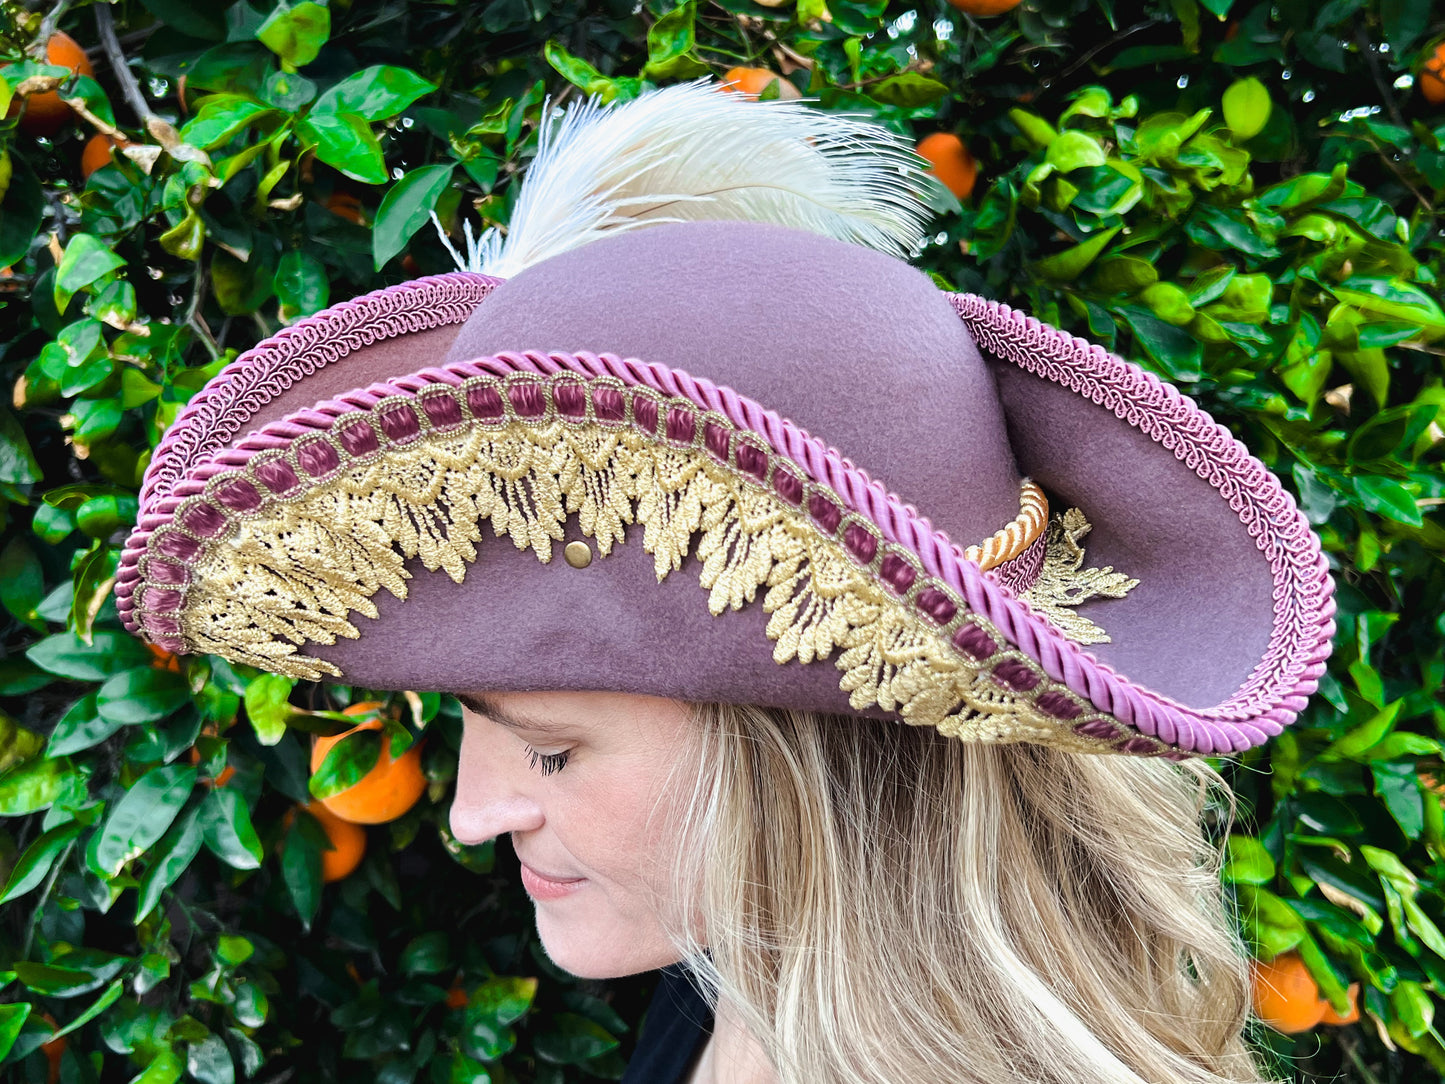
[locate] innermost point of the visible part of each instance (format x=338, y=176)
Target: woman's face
x=580, y=780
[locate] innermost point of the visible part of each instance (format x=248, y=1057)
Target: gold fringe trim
x=1064, y=582
x=300, y=568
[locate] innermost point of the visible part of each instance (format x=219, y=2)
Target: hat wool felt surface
x=383, y=493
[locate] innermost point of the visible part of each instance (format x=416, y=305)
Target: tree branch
x=48, y=26
x=129, y=86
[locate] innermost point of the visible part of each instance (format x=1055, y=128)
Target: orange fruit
x=952, y=162
x=348, y=844
x=45, y=114
x=1285, y=995
x=1432, y=76
x=53, y=1049
x=457, y=997
x=345, y=205
x=164, y=660
x=756, y=80
x=209, y=730
x=985, y=7
x=387, y=791
x=97, y=155
x=1352, y=1016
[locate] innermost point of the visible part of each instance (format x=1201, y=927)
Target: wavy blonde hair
x=881, y=904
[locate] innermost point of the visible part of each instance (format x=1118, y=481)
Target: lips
x=542, y=886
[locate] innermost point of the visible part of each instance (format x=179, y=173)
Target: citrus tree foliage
x=1238, y=195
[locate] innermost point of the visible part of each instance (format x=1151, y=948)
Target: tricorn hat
x=688, y=432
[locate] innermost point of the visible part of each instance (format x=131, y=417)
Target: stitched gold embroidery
x=296, y=570
x=1064, y=582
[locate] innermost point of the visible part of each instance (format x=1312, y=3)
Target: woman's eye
x=547, y=763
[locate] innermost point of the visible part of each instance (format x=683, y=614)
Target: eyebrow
x=482, y=706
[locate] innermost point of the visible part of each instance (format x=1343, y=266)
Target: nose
x=492, y=796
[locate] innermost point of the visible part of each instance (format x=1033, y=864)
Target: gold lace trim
x=1064, y=582
x=299, y=568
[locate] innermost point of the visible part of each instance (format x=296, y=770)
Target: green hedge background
x=1241, y=196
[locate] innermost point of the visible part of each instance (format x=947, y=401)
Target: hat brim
x=1227, y=557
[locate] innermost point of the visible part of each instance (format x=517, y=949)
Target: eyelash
x=547, y=763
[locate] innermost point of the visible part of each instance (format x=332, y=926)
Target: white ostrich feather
x=688, y=152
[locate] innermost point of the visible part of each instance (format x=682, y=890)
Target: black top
x=677, y=1027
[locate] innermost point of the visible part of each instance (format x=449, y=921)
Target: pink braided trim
x=1304, y=605
x=961, y=581
x=217, y=413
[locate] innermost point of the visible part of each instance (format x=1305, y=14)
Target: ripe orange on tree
x=756, y=80
x=952, y=163
x=1287, y=998
x=348, y=842
x=985, y=7
x=45, y=114
x=96, y=155
x=387, y=791
x=1432, y=76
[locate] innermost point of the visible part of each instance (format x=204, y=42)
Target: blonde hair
x=882, y=904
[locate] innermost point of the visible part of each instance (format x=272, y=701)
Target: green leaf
x=210, y=1062
x=86, y=260
x=302, y=287
x=378, y=93
x=17, y=461
x=426, y=954
x=572, y=1039
x=268, y=706
x=80, y=728
x=12, y=1019
x=1068, y=265
x=99, y=1005
x=1404, y=21
x=1176, y=353
x=33, y=786
x=1248, y=862
x=1168, y=302
x=1356, y=742
x=35, y=863
x=229, y=834
x=1398, y=786
x=77, y=972
x=166, y=1068
x=908, y=90
x=1388, y=498
x=22, y=210
x=1220, y=8
x=579, y=73
x=1034, y=128
x=172, y=857
x=1075, y=150
x=220, y=118
x=345, y=141
x=405, y=209
x=301, y=865
x=296, y=33
x=346, y=763
x=670, y=43
x=1246, y=107
x=142, y=695
x=68, y=656
x=22, y=582
x=142, y=815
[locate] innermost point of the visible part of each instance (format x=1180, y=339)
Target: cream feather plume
x=688, y=152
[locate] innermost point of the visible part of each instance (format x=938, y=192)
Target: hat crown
x=855, y=346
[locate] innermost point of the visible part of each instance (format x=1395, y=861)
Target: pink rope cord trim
x=214, y=417
x=1304, y=606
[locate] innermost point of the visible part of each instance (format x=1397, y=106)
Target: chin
x=597, y=950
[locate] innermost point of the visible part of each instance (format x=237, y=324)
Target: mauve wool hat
x=855, y=465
